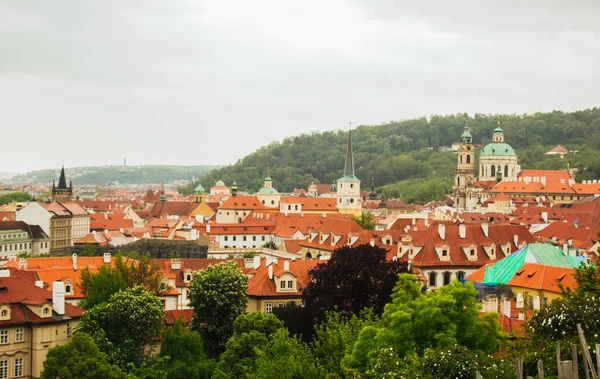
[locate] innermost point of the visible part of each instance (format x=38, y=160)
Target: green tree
x=127, y=273
x=17, y=197
x=80, y=358
x=365, y=221
x=335, y=337
x=414, y=321
x=122, y=326
x=218, y=297
x=284, y=357
x=251, y=334
x=186, y=354
x=88, y=250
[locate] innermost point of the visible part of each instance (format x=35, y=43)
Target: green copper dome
x=498, y=130
x=267, y=191
x=497, y=149
x=199, y=189
x=466, y=136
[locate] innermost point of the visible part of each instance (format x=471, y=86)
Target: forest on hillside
x=405, y=159
x=145, y=174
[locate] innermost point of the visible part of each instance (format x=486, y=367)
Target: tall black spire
x=349, y=165
x=62, y=181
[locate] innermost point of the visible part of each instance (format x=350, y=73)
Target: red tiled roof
x=261, y=286
x=544, y=278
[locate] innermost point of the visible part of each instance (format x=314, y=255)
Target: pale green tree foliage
x=335, y=337
x=284, y=357
x=251, y=333
x=218, y=296
x=414, y=322
x=79, y=359
x=123, y=325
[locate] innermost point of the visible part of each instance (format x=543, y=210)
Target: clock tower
x=464, y=179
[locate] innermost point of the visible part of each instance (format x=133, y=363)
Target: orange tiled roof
x=544, y=278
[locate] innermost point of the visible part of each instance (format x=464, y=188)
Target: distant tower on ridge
x=348, y=186
x=61, y=192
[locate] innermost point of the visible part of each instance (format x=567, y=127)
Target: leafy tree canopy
x=120, y=327
x=353, y=279
x=365, y=221
x=14, y=197
x=218, y=297
x=414, y=322
x=80, y=358
x=127, y=273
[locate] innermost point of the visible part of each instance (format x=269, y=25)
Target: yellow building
x=32, y=321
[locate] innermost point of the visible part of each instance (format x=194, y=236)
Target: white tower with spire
x=348, y=186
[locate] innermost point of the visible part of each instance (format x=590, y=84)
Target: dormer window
x=188, y=277
x=472, y=252
x=282, y=284
x=4, y=313
x=68, y=288
x=444, y=253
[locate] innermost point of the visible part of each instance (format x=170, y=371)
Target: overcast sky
x=207, y=82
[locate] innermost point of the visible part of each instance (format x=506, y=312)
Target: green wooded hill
x=148, y=174
x=405, y=159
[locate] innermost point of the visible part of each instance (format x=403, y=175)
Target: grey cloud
x=193, y=82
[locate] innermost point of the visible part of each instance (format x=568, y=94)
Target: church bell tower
x=348, y=186
x=464, y=180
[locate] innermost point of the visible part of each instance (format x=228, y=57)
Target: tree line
x=405, y=158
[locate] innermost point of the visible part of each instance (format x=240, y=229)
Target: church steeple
x=62, y=181
x=163, y=197
x=348, y=186
x=349, y=164
x=61, y=192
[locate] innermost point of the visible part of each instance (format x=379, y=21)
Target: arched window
x=506, y=171
x=444, y=253
x=68, y=288
x=460, y=276
x=188, y=277
x=468, y=159
x=4, y=313
x=432, y=279
x=493, y=170
x=458, y=180
x=308, y=255
x=45, y=311
x=447, y=277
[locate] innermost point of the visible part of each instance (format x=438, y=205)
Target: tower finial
x=498, y=120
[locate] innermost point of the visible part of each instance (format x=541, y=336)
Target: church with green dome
x=498, y=160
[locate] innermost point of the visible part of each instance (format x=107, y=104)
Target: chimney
x=175, y=264
x=286, y=265
x=270, y=270
x=516, y=240
x=485, y=229
x=406, y=228
x=462, y=231
x=58, y=297
x=426, y=222
x=414, y=221
x=106, y=257
x=372, y=242
x=74, y=256
x=544, y=216
x=256, y=262
x=565, y=248
x=442, y=231
x=4, y=272
x=301, y=214
x=207, y=228
x=22, y=264
x=39, y=283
